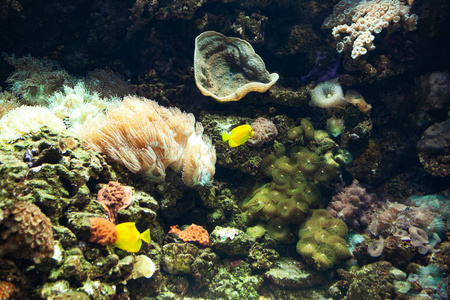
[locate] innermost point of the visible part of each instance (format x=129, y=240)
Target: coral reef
x=354, y=205
x=354, y=23
x=419, y=225
x=36, y=79
x=434, y=151
x=264, y=131
x=192, y=233
x=328, y=94
x=77, y=105
x=371, y=282
x=228, y=68
x=230, y=241
x=290, y=273
x=149, y=138
x=322, y=240
x=28, y=119
x=25, y=232
x=103, y=232
x=114, y=197
x=436, y=89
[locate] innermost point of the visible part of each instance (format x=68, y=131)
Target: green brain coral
x=322, y=240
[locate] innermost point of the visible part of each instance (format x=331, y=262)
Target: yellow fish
x=129, y=238
x=238, y=135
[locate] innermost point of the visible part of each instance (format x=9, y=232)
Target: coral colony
x=225, y=150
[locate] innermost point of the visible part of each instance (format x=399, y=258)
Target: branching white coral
x=354, y=22
x=149, y=138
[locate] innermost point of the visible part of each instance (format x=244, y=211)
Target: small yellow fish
x=129, y=238
x=238, y=135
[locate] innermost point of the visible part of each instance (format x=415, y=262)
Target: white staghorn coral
x=354, y=22
x=148, y=138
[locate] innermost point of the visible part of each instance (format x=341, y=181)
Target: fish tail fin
x=225, y=136
x=145, y=236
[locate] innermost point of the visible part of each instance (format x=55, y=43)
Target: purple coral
x=354, y=205
x=264, y=131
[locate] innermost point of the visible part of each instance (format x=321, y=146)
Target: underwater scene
x=225, y=149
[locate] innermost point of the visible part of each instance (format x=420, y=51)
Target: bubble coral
x=103, y=232
x=26, y=233
x=192, y=233
x=114, y=197
x=264, y=131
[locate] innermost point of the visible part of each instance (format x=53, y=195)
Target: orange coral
x=193, y=233
x=6, y=289
x=103, y=232
x=113, y=198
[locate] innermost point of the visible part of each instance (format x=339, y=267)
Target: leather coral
x=148, y=138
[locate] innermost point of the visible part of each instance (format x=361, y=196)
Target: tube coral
x=148, y=138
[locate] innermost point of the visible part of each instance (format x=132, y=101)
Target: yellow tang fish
x=129, y=238
x=238, y=135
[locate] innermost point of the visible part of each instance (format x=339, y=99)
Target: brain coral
x=25, y=232
x=149, y=138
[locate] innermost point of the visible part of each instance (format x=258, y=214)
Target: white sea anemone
x=328, y=94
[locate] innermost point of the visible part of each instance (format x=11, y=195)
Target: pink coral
x=113, y=198
x=354, y=205
x=264, y=131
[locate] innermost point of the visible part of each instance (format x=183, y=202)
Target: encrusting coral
x=114, y=197
x=192, y=233
x=354, y=23
x=25, y=232
x=148, y=138
x=103, y=232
